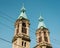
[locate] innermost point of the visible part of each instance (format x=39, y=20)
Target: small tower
x=42, y=35
x=21, y=37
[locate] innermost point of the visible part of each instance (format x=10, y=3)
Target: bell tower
x=42, y=35
x=21, y=37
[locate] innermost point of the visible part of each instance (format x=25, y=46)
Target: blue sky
x=10, y=10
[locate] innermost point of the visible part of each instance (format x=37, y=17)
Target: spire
x=41, y=22
x=23, y=14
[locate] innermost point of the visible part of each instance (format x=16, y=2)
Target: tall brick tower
x=42, y=35
x=21, y=37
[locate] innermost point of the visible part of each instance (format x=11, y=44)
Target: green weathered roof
x=23, y=14
x=41, y=23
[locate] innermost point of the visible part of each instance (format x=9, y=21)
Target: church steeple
x=42, y=35
x=23, y=13
x=21, y=35
x=41, y=23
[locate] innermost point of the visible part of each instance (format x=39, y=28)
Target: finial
x=41, y=18
x=23, y=4
x=23, y=8
x=23, y=13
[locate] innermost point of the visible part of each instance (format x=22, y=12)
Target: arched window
x=44, y=33
x=24, y=30
x=24, y=24
x=40, y=39
x=25, y=44
x=46, y=39
x=22, y=43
